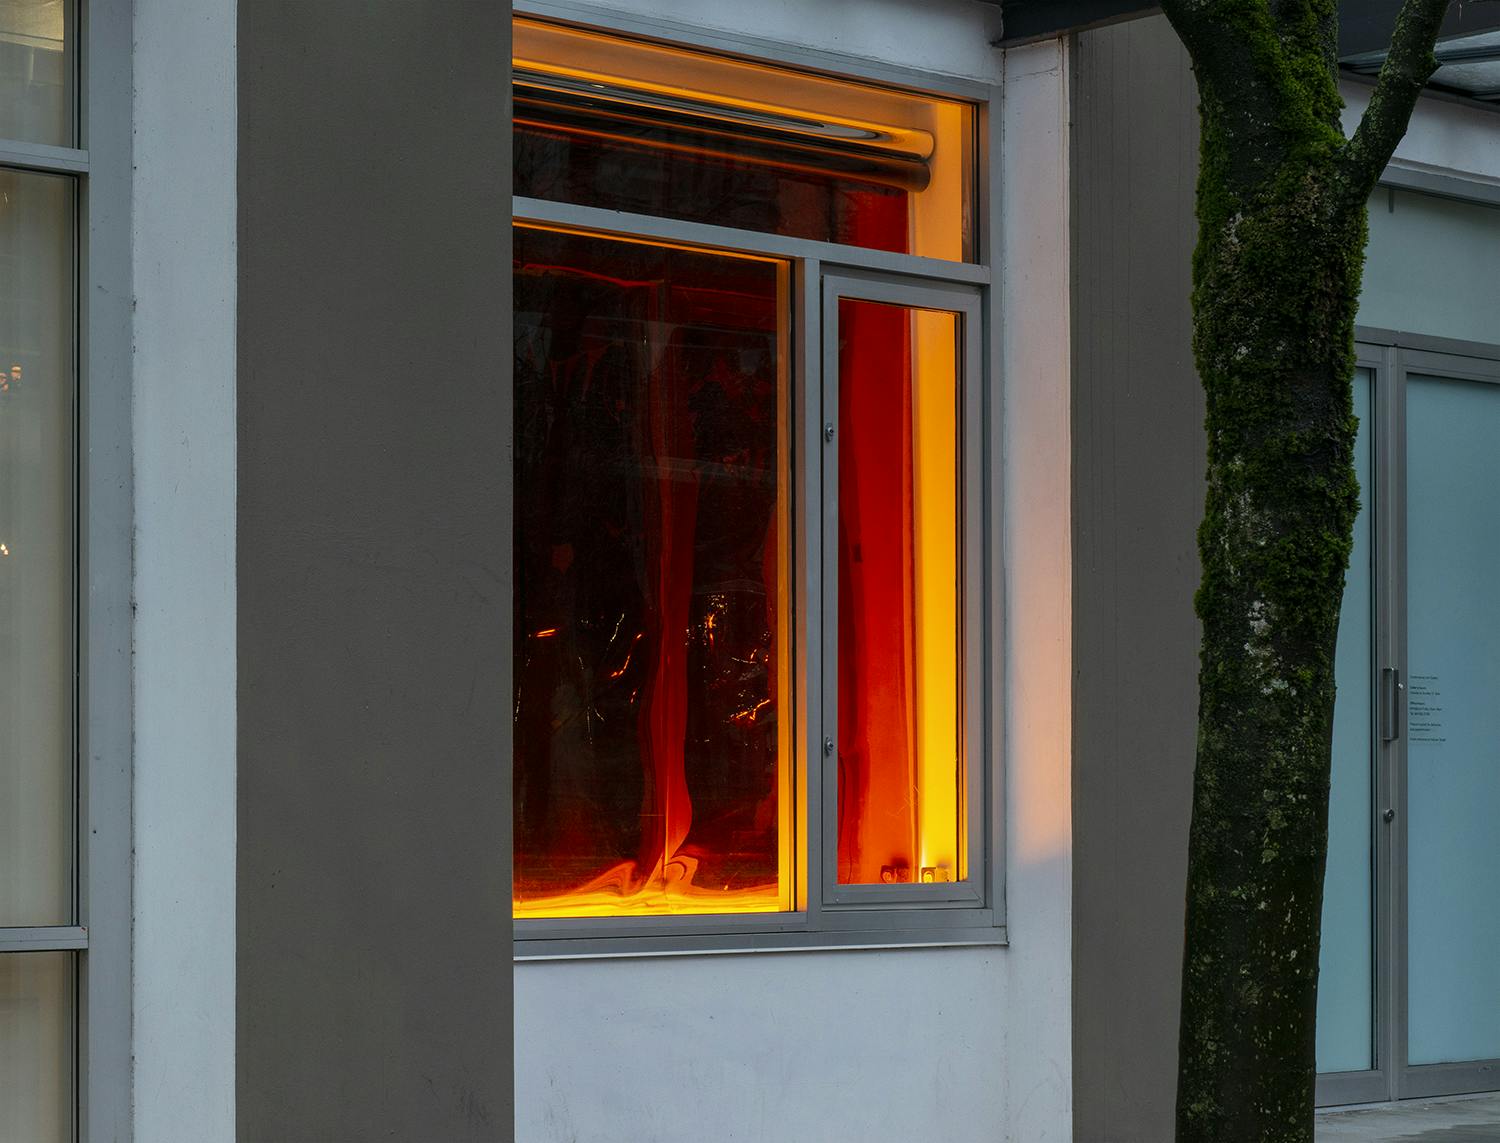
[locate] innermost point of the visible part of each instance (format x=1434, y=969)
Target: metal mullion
x=1398, y=834
x=808, y=340
x=103, y=851
x=709, y=236
x=42, y=158
x=1388, y=504
x=1450, y=367
x=1375, y=1083
x=828, y=446
x=43, y=938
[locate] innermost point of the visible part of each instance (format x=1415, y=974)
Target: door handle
x=1392, y=691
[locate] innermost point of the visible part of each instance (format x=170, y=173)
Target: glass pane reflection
x=36, y=548
x=36, y=1047
x=651, y=711
x=1453, y=721
x=36, y=89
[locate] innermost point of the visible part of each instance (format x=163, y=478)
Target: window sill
x=686, y=936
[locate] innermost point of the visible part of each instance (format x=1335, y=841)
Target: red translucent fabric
x=899, y=781
x=649, y=545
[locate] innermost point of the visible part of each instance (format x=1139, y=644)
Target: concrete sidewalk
x=1463, y=1119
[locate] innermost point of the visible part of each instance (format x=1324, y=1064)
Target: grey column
x=374, y=534
x=1138, y=496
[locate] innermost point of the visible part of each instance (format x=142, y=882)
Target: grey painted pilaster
x=1138, y=496
x=374, y=534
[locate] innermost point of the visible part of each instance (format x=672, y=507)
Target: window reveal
x=652, y=760
x=655, y=740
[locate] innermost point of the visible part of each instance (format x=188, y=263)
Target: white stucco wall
x=957, y=1045
x=948, y=36
x=1430, y=263
x=183, y=234
x=1443, y=136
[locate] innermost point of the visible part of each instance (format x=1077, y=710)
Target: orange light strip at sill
x=603, y=897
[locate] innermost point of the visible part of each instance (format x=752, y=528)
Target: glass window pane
x=652, y=718
x=36, y=1047
x=1346, y=985
x=610, y=122
x=1453, y=720
x=899, y=778
x=36, y=86
x=36, y=548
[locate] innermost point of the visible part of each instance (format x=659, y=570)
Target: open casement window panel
x=750, y=584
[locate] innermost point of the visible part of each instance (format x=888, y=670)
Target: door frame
x=1392, y=356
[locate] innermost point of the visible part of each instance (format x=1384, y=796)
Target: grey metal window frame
x=1393, y=356
x=100, y=166
x=818, y=922
x=965, y=302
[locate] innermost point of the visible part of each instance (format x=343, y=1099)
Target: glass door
x=1452, y=819
x=1409, y=983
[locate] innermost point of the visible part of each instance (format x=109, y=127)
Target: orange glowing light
x=818, y=124
x=900, y=791
x=669, y=889
x=934, y=336
x=654, y=728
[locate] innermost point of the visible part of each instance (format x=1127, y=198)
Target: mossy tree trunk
x=1276, y=275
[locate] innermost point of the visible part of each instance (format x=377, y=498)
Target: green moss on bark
x=1276, y=274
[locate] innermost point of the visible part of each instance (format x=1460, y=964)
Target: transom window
x=748, y=577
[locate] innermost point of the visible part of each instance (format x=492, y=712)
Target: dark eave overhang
x=1364, y=25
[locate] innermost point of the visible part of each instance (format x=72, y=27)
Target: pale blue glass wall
x=1429, y=270
x=1430, y=267
x=1346, y=970
x=1453, y=724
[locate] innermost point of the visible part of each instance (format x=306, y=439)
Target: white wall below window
x=875, y=1046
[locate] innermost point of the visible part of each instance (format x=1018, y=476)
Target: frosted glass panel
x=1430, y=266
x=1453, y=724
x=36, y=1047
x=1345, y=984
x=36, y=548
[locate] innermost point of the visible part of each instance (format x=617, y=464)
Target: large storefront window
x=38, y=396
x=747, y=579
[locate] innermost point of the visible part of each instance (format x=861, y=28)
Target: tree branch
x=1408, y=66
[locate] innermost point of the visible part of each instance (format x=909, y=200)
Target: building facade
x=622, y=570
